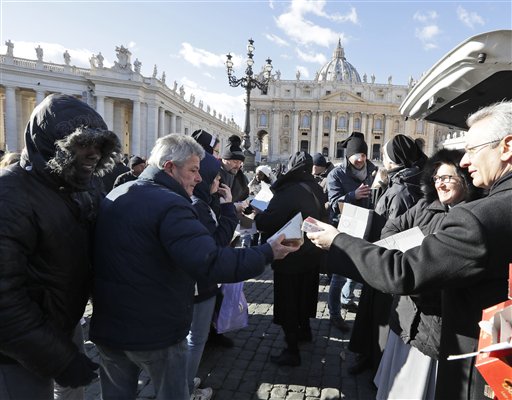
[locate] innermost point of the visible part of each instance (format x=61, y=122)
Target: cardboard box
x=495, y=365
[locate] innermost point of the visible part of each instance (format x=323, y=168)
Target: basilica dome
x=338, y=69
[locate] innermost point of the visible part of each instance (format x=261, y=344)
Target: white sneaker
x=197, y=382
x=202, y=394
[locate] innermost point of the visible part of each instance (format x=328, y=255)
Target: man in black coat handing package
x=467, y=258
x=48, y=205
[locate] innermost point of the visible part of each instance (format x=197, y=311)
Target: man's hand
x=225, y=193
x=241, y=206
x=362, y=192
x=323, y=238
x=79, y=372
x=280, y=251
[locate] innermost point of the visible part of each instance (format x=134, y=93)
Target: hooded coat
x=46, y=224
x=221, y=226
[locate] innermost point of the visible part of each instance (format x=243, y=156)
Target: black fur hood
x=58, y=123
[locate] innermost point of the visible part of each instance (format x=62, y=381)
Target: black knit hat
x=355, y=144
x=319, y=160
x=403, y=150
x=233, y=150
x=205, y=139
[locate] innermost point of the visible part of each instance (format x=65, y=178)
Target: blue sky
x=189, y=39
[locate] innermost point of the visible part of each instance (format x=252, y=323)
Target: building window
x=307, y=93
x=263, y=119
x=305, y=122
x=378, y=124
x=304, y=133
x=397, y=126
x=327, y=92
x=342, y=122
x=327, y=123
x=287, y=93
x=325, y=152
x=357, y=123
x=340, y=150
x=304, y=146
x=359, y=94
x=376, y=152
x=286, y=121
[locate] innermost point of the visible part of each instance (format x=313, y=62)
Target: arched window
x=397, y=125
x=305, y=121
x=378, y=124
x=286, y=121
x=263, y=118
x=327, y=122
x=342, y=122
x=357, y=124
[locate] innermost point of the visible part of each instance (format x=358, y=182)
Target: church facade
x=138, y=109
x=317, y=115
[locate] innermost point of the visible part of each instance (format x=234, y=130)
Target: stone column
x=320, y=133
x=350, y=128
x=173, y=123
x=161, y=122
x=313, y=131
x=152, y=127
x=388, y=128
x=40, y=95
x=369, y=135
x=364, y=122
x=332, y=137
x=109, y=114
x=294, y=145
x=273, y=150
x=135, y=136
x=100, y=105
x=11, y=123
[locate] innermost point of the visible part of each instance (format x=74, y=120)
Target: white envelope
x=292, y=231
x=263, y=197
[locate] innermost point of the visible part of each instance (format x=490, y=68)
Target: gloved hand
x=79, y=372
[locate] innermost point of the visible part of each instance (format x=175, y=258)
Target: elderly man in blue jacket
x=150, y=249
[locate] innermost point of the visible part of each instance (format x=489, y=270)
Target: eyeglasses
x=471, y=151
x=444, y=178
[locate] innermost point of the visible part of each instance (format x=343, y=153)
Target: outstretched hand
x=281, y=251
x=325, y=237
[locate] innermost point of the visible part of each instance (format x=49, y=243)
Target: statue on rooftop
x=100, y=59
x=39, y=53
x=137, y=64
x=67, y=57
x=123, y=57
x=10, y=48
x=155, y=71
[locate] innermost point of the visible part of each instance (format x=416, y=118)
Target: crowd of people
x=150, y=242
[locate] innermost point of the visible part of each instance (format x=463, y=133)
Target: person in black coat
x=415, y=321
x=467, y=258
x=49, y=205
x=137, y=165
x=403, y=161
x=221, y=226
x=296, y=278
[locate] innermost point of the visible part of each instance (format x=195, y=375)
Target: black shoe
x=350, y=307
x=218, y=339
x=361, y=364
x=286, y=358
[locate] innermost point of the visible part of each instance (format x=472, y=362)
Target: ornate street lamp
x=249, y=82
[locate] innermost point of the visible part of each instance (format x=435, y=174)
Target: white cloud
x=271, y=4
x=198, y=57
x=223, y=103
x=53, y=52
x=469, y=18
x=295, y=25
x=426, y=17
x=276, y=39
x=428, y=35
x=318, y=58
x=304, y=71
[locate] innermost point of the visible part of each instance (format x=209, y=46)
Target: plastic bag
x=233, y=313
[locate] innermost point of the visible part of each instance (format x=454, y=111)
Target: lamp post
x=249, y=82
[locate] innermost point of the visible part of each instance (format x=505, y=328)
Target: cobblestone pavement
x=245, y=372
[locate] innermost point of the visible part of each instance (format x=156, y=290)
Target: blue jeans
x=341, y=291
x=198, y=335
x=120, y=371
